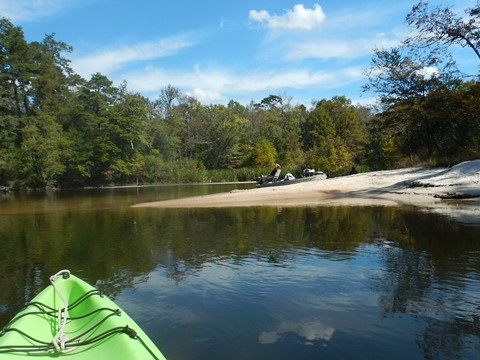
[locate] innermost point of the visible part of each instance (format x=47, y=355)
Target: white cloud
x=109, y=61
x=31, y=9
x=311, y=330
x=347, y=35
x=205, y=96
x=298, y=18
x=428, y=72
x=336, y=48
x=215, y=85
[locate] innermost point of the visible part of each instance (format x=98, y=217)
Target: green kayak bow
x=73, y=319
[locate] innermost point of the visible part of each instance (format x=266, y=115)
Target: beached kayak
x=72, y=319
x=290, y=181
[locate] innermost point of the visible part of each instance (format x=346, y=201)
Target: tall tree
x=335, y=136
x=128, y=123
x=166, y=125
x=395, y=76
x=411, y=78
x=39, y=160
x=222, y=134
x=439, y=28
x=53, y=75
x=15, y=69
x=290, y=147
x=93, y=132
x=265, y=154
x=327, y=147
x=166, y=99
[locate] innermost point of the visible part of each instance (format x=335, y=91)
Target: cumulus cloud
x=205, y=96
x=298, y=18
x=346, y=35
x=429, y=72
x=111, y=60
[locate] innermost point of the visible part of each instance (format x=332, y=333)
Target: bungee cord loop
x=60, y=338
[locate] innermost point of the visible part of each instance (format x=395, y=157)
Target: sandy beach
x=450, y=188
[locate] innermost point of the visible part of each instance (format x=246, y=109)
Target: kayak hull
x=291, y=182
x=96, y=328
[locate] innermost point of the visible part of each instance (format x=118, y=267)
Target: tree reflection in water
x=419, y=265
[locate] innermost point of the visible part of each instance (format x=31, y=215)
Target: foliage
x=183, y=171
x=335, y=135
x=58, y=129
x=265, y=153
x=439, y=28
x=426, y=105
x=234, y=175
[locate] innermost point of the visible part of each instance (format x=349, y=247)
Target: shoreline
x=422, y=187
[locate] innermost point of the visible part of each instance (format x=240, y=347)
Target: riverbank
x=457, y=186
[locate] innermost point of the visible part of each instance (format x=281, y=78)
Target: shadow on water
x=259, y=282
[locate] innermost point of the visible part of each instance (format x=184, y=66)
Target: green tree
x=53, y=75
x=128, y=123
x=420, y=77
x=93, y=132
x=402, y=84
x=166, y=99
x=291, y=122
x=8, y=146
x=237, y=108
x=265, y=154
x=15, y=69
x=167, y=126
x=394, y=77
x=456, y=134
x=39, y=159
x=265, y=124
x=222, y=138
x=189, y=118
x=33, y=84
x=334, y=135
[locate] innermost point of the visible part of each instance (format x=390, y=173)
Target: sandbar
x=426, y=187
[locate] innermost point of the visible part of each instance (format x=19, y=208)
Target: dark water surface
x=255, y=283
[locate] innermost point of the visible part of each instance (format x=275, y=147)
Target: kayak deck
x=93, y=327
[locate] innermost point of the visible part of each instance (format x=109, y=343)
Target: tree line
x=60, y=130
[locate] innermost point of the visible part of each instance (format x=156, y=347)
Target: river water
x=255, y=283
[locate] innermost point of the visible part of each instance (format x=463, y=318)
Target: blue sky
x=220, y=50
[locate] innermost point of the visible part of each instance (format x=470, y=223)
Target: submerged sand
x=427, y=187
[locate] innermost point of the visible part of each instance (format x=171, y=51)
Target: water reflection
x=334, y=282
x=309, y=329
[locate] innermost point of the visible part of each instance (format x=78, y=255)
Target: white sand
x=423, y=187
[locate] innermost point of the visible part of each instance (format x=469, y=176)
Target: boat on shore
x=308, y=174
x=73, y=319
